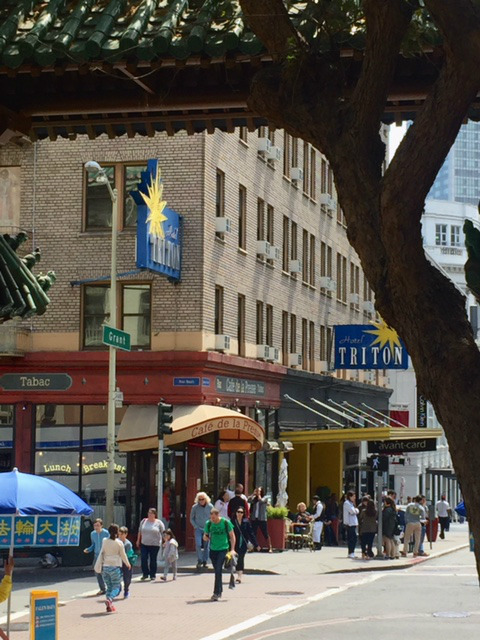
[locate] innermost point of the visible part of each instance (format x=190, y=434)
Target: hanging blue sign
x=369, y=346
x=159, y=229
x=39, y=531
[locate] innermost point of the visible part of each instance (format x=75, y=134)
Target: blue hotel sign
x=159, y=229
x=369, y=346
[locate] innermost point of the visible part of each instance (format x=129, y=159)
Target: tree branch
x=269, y=20
x=386, y=25
x=423, y=150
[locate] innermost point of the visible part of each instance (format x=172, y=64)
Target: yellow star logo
x=384, y=335
x=155, y=205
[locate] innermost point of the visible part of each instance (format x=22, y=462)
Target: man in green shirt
x=219, y=532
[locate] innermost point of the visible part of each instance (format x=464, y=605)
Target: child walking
x=170, y=553
x=109, y=563
x=132, y=557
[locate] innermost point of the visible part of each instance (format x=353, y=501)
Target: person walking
x=389, y=525
x=132, y=558
x=444, y=512
x=97, y=536
x=317, y=517
x=350, y=522
x=258, y=516
x=170, y=554
x=244, y=536
x=6, y=584
x=199, y=516
x=109, y=563
x=219, y=536
x=149, y=539
x=331, y=522
x=221, y=503
x=367, y=527
x=414, y=513
x=238, y=500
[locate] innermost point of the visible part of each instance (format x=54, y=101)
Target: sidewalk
x=273, y=583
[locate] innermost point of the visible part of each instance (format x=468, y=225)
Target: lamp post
x=101, y=177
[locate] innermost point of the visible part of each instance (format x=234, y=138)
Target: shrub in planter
x=276, y=526
x=277, y=513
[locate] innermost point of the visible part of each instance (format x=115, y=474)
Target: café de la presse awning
x=236, y=432
x=348, y=435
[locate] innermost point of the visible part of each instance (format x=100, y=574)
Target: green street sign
x=116, y=338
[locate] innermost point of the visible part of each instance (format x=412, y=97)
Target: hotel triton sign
x=35, y=382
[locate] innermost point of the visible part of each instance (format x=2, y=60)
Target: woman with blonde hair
x=199, y=516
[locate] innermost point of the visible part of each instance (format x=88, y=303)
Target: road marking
x=265, y=617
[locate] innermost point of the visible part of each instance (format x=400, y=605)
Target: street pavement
x=274, y=585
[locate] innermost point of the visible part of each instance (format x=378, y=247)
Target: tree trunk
x=310, y=98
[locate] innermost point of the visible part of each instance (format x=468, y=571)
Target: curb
x=389, y=567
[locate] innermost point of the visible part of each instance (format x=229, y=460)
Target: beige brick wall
x=52, y=185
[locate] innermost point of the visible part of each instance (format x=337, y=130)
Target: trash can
x=432, y=530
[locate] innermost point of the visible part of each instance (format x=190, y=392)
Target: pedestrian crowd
x=227, y=529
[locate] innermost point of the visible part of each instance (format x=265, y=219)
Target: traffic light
x=378, y=463
x=165, y=418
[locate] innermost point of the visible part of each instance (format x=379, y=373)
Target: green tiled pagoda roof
x=53, y=31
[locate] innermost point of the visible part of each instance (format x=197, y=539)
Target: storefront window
x=70, y=447
x=6, y=436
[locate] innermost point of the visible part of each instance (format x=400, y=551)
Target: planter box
x=276, y=530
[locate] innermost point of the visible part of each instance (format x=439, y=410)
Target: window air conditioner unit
x=296, y=266
x=264, y=145
x=328, y=283
x=263, y=248
x=274, y=354
x=275, y=154
x=324, y=368
x=368, y=306
x=274, y=253
x=222, y=343
x=354, y=298
x=223, y=225
x=296, y=174
x=263, y=352
x=327, y=201
x=295, y=359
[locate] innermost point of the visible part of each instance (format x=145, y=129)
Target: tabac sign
x=159, y=246
x=369, y=346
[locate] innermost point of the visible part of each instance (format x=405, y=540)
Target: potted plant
x=276, y=526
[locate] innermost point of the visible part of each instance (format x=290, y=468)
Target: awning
x=367, y=433
x=237, y=432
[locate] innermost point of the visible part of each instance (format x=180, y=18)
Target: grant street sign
x=116, y=338
x=395, y=447
x=35, y=382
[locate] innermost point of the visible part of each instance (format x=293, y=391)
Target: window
x=259, y=322
x=441, y=235
x=98, y=204
x=260, y=219
x=285, y=338
x=242, y=217
x=218, y=311
x=269, y=327
x=294, y=248
x=294, y=152
x=270, y=226
x=241, y=325
x=323, y=176
x=7, y=436
x=313, y=173
x=134, y=316
x=306, y=174
x=341, y=278
x=285, y=245
x=220, y=194
x=329, y=180
x=304, y=343
x=305, y=256
x=293, y=333
x=454, y=236
x=243, y=134
x=311, y=346
x=323, y=342
x=312, y=260
x=286, y=154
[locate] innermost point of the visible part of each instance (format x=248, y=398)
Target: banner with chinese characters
x=39, y=531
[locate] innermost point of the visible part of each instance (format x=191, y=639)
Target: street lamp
x=94, y=168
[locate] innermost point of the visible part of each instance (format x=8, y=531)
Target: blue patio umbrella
x=26, y=494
